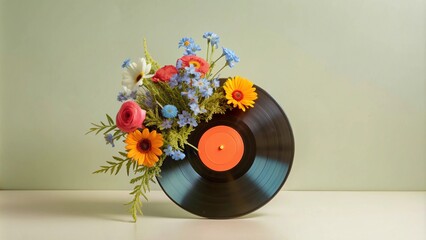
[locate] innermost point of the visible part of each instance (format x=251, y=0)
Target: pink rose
x=130, y=117
x=165, y=73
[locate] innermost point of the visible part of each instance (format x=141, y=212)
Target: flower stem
x=159, y=104
x=218, y=58
x=187, y=143
x=219, y=70
x=208, y=45
x=211, y=55
x=212, y=65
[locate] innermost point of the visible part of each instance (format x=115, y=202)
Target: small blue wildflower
x=207, y=35
x=230, y=57
x=126, y=63
x=191, y=94
x=183, y=118
x=191, y=49
x=191, y=70
x=195, y=108
x=182, y=122
x=200, y=83
x=216, y=83
x=174, y=80
x=179, y=64
x=212, y=37
x=191, y=73
x=178, y=155
x=192, y=122
x=123, y=96
x=185, y=78
x=189, y=45
x=206, y=91
x=174, y=154
x=186, y=118
x=166, y=124
x=168, y=150
x=169, y=111
x=109, y=139
x=185, y=42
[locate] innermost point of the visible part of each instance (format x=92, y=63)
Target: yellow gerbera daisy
x=240, y=92
x=144, y=147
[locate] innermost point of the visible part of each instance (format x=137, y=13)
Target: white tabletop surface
x=290, y=215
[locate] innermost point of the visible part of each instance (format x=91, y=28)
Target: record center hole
x=221, y=147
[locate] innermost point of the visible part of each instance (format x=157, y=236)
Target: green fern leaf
x=154, y=65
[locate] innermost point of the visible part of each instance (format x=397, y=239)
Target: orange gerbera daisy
x=240, y=92
x=144, y=147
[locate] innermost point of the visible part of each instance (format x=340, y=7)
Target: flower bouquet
x=162, y=105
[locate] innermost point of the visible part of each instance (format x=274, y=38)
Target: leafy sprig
x=215, y=104
x=106, y=128
x=146, y=174
x=177, y=138
x=140, y=190
x=117, y=164
x=154, y=65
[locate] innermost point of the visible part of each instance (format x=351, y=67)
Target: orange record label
x=221, y=148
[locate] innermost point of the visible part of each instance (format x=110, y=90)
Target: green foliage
x=163, y=94
x=115, y=166
x=142, y=180
x=107, y=128
x=147, y=174
x=177, y=138
x=154, y=65
x=215, y=104
x=152, y=118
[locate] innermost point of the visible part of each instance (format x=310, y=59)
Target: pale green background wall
x=349, y=74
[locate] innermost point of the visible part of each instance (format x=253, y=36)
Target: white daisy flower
x=135, y=72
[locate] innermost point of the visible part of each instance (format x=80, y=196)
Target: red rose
x=130, y=117
x=200, y=64
x=165, y=73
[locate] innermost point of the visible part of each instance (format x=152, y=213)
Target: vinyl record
x=243, y=161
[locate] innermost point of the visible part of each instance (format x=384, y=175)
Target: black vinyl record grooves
x=265, y=164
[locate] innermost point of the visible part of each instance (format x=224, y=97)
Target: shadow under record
x=109, y=209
